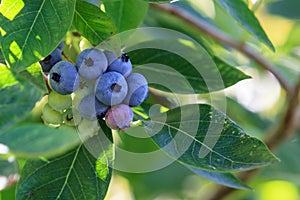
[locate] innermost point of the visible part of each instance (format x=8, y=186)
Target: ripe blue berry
x=110, y=56
x=121, y=65
x=61, y=45
x=91, y=63
x=63, y=78
x=111, y=88
x=119, y=117
x=90, y=108
x=48, y=62
x=137, y=89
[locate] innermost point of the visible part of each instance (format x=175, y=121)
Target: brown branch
x=287, y=126
x=222, y=37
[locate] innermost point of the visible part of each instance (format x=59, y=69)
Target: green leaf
x=157, y=18
x=287, y=8
x=35, y=139
x=17, y=96
x=92, y=23
x=70, y=176
x=7, y=77
x=2, y=60
x=205, y=138
x=126, y=14
x=225, y=179
x=186, y=78
x=32, y=29
x=9, y=193
x=230, y=74
x=242, y=14
x=33, y=75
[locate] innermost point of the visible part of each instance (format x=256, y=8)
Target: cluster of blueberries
x=115, y=89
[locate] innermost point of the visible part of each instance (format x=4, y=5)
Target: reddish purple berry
x=119, y=117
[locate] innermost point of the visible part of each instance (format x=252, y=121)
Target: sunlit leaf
x=205, y=138
x=32, y=29
x=126, y=14
x=241, y=13
x=69, y=176
x=92, y=23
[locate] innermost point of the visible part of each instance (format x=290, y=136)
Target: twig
x=67, y=58
x=288, y=124
x=225, y=39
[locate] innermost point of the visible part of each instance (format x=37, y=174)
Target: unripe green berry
x=86, y=87
x=59, y=102
x=51, y=116
x=88, y=128
x=68, y=118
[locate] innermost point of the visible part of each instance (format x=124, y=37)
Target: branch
x=288, y=124
x=225, y=39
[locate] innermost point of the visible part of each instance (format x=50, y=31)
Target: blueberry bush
x=149, y=99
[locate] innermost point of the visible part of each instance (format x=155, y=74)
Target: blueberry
x=110, y=56
x=91, y=63
x=111, y=88
x=119, y=117
x=50, y=116
x=137, y=89
x=121, y=65
x=90, y=108
x=61, y=45
x=63, y=78
x=86, y=87
x=59, y=102
x=48, y=62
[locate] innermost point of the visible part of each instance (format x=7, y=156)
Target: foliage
x=209, y=139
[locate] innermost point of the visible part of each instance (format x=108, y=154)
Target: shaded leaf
x=34, y=139
x=17, y=96
x=207, y=75
x=289, y=167
x=32, y=29
x=203, y=137
x=92, y=23
x=70, y=176
x=225, y=179
x=242, y=14
x=287, y=8
x=126, y=14
x=157, y=18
